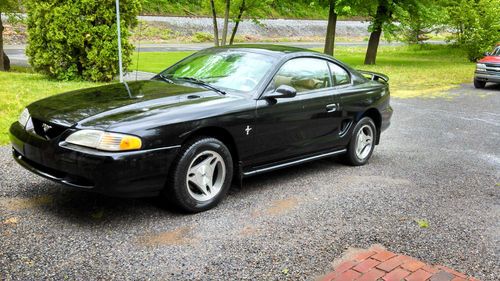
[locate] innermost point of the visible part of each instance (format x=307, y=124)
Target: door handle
x=332, y=107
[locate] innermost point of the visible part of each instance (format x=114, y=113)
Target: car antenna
x=138, y=48
x=128, y=89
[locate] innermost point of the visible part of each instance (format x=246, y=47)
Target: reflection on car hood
x=103, y=106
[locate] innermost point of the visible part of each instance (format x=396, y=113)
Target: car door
x=353, y=98
x=342, y=87
x=307, y=123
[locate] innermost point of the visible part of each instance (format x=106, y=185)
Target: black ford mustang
x=217, y=116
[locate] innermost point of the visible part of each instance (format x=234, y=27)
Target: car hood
x=490, y=59
x=106, y=105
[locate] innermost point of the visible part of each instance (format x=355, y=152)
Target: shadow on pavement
x=80, y=207
x=470, y=87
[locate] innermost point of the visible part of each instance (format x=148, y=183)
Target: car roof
x=277, y=50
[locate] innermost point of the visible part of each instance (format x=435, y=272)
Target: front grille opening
x=58, y=175
x=41, y=168
x=47, y=130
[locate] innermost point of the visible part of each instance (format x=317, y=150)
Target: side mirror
x=282, y=92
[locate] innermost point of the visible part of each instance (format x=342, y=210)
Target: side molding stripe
x=293, y=163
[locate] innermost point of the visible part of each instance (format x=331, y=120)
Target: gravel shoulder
x=439, y=161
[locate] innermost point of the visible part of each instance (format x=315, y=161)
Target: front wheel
x=362, y=142
x=479, y=84
x=201, y=177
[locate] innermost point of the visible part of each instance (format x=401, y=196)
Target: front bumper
x=487, y=77
x=125, y=174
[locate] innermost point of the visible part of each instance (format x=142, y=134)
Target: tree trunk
x=216, y=27
x=371, y=52
x=226, y=22
x=6, y=62
x=237, y=24
x=2, y=60
x=330, y=31
x=380, y=18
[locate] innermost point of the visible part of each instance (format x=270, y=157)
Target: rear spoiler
x=374, y=76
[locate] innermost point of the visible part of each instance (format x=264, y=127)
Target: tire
x=479, y=84
x=358, y=156
x=201, y=176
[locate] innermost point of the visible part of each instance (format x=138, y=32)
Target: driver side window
x=303, y=74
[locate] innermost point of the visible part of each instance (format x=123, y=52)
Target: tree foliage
x=383, y=15
x=78, y=39
x=476, y=24
x=273, y=8
x=417, y=20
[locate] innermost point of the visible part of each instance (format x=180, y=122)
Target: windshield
x=496, y=52
x=229, y=69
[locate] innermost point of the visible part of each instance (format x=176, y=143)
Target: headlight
x=24, y=117
x=480, y=67
x=104, y=140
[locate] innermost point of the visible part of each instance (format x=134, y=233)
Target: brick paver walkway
x=378, y=264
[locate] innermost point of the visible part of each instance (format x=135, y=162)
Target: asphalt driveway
x=439, y=162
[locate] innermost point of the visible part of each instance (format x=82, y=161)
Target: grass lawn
x=414, y=72
x=18, y=89
x=156, y=62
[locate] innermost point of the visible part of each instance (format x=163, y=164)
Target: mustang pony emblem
x=46, y=127
x=248, y=129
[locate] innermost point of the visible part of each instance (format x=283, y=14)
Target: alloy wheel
x=364, y=142
x=206, y=175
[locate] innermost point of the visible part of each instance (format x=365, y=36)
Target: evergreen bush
x=75, y=40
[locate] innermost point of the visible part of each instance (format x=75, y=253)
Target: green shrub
x=273, y=9
x=200, y=37
x=72, y=40
x=176, y=7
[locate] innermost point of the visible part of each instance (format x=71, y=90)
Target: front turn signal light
x=130, y=143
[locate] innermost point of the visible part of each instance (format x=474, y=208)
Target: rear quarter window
x=340, y=76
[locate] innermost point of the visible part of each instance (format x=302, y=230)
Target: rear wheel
x=201, y=177
x=479, y=84
x=362, y=142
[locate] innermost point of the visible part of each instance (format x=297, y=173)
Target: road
x=18, y=57
x=17, y=54
x=439, y=161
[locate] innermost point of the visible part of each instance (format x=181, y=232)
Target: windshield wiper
x=202, y=83
x=165, y=78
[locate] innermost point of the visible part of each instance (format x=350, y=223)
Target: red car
x=488, y=69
